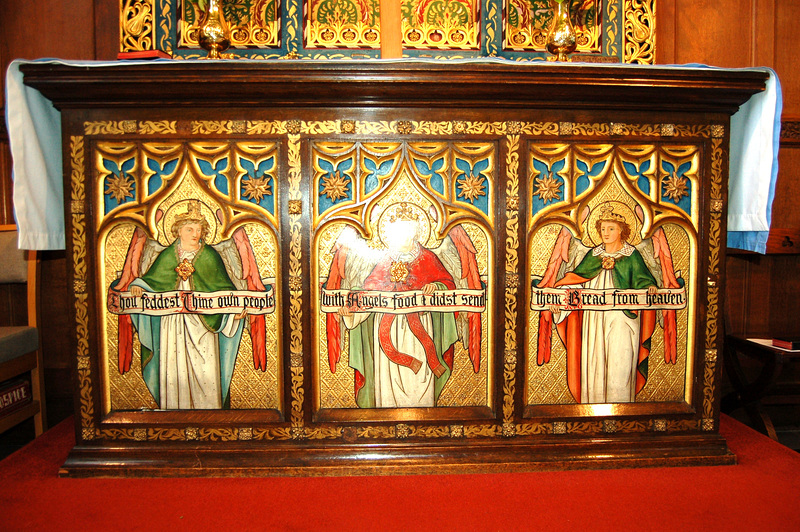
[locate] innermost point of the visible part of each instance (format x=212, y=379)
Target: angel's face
x=401, y=235
x=610, y=232
x=190, y=235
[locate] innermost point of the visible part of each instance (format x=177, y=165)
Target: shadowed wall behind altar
x=762, y=291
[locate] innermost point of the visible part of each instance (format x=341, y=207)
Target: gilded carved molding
x=78, y=199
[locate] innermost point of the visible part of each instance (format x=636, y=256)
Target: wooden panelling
x=6, y=187
x=787, y=14
x=784, y=307
x=48, y=29
x=106, y=21
x=706, y=31
x=785, y=213
x=762, y=296
x=60, y=29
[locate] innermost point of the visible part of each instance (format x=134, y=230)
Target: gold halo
x=181, y=207
x=389, y=214
x=619, y=208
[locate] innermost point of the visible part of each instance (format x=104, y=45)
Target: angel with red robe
x=403, y=359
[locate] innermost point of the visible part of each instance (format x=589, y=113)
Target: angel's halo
x=618, y=208
x=404, y=211
x=181, y=207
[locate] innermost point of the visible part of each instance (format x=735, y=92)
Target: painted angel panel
x=605, y=303
x=404, y=308
x=189, y=302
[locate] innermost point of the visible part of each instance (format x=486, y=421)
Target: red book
x=14, y=394
x=793, y=344
x=144, y=54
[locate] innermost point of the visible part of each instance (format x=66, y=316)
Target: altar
x=327, y=268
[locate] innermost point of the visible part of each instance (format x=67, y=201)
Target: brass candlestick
x=562, y=39
x=214, y=34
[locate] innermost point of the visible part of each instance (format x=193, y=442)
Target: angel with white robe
x=188, y=358
x=608, y=350
x=403, y=359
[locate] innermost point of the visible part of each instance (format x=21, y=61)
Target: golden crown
x=192, y=212
x=607, y=214
x=404, y=212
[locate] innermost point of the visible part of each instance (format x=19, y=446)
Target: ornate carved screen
x=287, y=279
x=608, y=30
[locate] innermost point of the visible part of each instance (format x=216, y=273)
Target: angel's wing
x=658, y=258
x=229, y=254
x=240, y=263
x=352, y=262
x=142, y=251
x=568, y=252
x=458, y=255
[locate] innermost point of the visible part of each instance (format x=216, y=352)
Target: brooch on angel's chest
x=398, y=273
x=608, y=263
x=185, y=269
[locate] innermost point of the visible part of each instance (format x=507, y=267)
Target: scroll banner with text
x=191, y=302
x=607, y=299
x=406, y=302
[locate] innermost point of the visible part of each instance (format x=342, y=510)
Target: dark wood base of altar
x=144, y=459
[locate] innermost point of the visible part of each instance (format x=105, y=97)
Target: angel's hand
x=344, y=311
x=555, y=309
x=652, y=290
x=137, y=291
x=429, y=288
x=241, y=315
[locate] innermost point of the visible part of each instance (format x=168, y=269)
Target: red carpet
x=761, y=493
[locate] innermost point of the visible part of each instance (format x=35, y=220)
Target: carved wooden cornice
x=402, y=84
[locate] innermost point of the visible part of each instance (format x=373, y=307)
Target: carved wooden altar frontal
x=435, y=280
x=332, y=270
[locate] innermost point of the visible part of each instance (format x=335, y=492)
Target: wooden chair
x=19, y=345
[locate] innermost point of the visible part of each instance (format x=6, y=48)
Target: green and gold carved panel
x=527, y=24
x=607, y=30
x=253, y=23
x=441, y=24
x=342, y=24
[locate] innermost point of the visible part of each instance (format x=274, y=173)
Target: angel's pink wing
x=333, y=326
x=250, y=273
x=559, y=256
x=469, y=271
x=662, y=252
x=130, y=271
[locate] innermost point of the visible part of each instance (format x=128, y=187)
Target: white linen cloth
x=755, y=139
x=34, y=128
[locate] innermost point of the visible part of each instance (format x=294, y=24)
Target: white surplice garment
x=397, y=386
x=189, y=370
x=610, y=344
